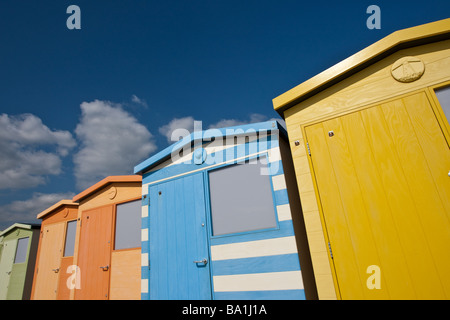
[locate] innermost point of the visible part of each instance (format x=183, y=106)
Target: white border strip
x=258, y=248
x=287, y=280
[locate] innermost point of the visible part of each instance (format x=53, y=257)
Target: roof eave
x=105, y=182
x=402, y=39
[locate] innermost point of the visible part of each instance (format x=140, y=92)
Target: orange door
x=94, y=256
x=49, y=265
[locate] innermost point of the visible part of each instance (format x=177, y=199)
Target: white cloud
x=177, y=128
x=112, y=142
x=30, y=151
x=27, y=210
x=224, y=123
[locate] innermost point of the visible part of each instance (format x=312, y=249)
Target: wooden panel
x=49, y=261
x=61, y=214
x=94, y=253
x=178, y=237
x=6, y=263
x=17, y=281
x=383, y=185
x=126, y=275
x=63, y=288
x=122, y=191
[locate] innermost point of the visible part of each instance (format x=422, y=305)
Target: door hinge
x=329, y=248
x=309, y=150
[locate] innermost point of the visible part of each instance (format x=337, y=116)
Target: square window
x=241, y=198
x=128, y=225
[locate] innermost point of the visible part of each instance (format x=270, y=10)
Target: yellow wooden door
x=382, y=179
x=49, y=265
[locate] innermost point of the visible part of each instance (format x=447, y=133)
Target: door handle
x=204, y=261
x=55, y=270
x=104, y=268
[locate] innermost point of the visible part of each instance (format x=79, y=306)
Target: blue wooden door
x=179, y=260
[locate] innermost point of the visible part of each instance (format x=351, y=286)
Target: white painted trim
x=144, y=211
x=144, y=285
x=144, y=259
x=144, y=234
x=258, y=248
x=284, y=212
x=288, y=280
x=209, y=167
x=278, y=182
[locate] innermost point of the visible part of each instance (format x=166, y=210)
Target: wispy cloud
x=135, y=99
x=30, y=151
x=253, y=118
x=27, y=210
x=112, y=142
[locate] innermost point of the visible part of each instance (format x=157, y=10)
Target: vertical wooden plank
x=174, y=242
x=430, y=184
x=373, y=165
x=6, y=263
x=63, y=289
x=335, y=219
x=126, y=275
x=95, y=252
x=49, y=261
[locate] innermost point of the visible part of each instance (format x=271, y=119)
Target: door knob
x=204, y=261
x=55, y=270
x=104, y=268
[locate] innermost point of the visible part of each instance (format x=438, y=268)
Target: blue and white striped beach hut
x=218, y=221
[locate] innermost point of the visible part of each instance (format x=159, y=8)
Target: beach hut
x=370, y=144
x=54, y=263
x=221, y=218
x=18, y=246
x=108, y=242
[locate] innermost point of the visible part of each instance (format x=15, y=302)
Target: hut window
x=443, y=95
x=128, y=225
x=21, y=251
x=70, y=238
x=241, y=198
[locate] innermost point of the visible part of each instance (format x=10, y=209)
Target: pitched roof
x=402, y=39
x=207, y=136
x=20, y=225
x=104, y=182
x=56, y=206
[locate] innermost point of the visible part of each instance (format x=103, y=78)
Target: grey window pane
x=21, y=251
x=70, y=238
x=443, y=96
x=241, y=198
x=128, y=225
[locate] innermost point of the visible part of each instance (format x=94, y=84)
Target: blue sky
x=77, y=105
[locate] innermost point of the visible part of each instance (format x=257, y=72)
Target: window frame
x=65, y=237
x=438, y=109
x=264, y=154
x=113, y=247
x=26, y=250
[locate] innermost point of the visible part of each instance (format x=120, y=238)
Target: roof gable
x=406, y=38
